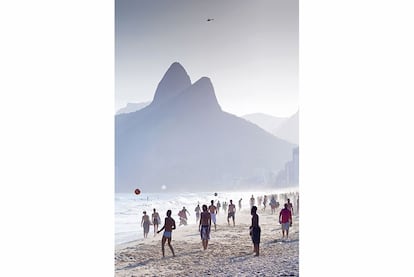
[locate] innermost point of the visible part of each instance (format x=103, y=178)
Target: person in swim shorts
x=205, y=226
x=213, y=211
x=169, y=225
x=285, y=218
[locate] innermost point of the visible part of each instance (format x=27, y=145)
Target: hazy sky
x=249, y=51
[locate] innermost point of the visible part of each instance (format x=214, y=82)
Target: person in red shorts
x=285, y=218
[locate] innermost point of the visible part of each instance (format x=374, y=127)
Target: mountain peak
x=175, y=80
x=202, y=95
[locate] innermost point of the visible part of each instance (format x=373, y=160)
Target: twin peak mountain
x=175, y=87
x=184, y=141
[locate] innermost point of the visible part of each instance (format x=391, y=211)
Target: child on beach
x=255, y=230
x=169, y=225
x=205, y=226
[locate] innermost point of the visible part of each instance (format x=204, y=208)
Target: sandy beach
x=229, y=253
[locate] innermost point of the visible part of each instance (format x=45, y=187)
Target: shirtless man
x=213, y=211
x=169, y=225
x=205, y=226
x=232, y=210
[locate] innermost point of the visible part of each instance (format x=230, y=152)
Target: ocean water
x=129, y=208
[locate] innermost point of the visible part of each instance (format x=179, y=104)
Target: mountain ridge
x=188, y=142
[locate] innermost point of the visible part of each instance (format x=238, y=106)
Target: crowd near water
x=140, y=216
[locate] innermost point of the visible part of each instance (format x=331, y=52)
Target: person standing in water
x=255, y=230
x=169, y=225
x=205, y=226
x=155, y=221
x=145, y=222
x=213, y=211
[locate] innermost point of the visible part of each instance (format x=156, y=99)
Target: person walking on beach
x=155, y=221
x=213, y=211
x=169, y=225
x=240, y=200
x=218, y=206
x=183, y=216
x=225, y=207
x=255, y=230
x=273, y=204
x=290, y=205
x=297, y=205
x=285, y=218
x=145, y=222
x=232, y=210
x=197, y=211
x=264, y=202
x=205, y=226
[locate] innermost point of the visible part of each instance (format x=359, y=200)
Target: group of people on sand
x=206, y=216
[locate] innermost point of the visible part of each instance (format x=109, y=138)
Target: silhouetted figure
x=240, y=204
x=218, y=206
x=255, y=230
x=264, y=202
x=232, y=211
x=169, y=225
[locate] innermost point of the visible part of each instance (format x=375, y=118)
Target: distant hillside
x=289, y=130
x=185, y=141
x=132, y=107
x=265, y=121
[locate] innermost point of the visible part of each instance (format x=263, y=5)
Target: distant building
x=289, y=176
